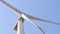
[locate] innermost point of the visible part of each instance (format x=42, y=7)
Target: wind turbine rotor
x=23, y=16
x=28, y=19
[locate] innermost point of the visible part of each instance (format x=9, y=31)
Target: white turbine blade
x=25, y=17
x=41, y=29
x=34, y=18
x=11, y=7
x=19, y=19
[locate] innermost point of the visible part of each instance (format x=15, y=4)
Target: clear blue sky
x=45, y=9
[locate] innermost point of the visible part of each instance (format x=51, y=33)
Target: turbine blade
x=41, y=29
x=28, y=19
x=48, y=21
x=19, y=19
x=34, y=18
x=11, y=7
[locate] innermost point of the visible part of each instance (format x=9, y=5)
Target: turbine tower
x=22, y=17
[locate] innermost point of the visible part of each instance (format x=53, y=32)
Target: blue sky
x=45, y=9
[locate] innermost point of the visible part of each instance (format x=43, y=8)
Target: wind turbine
x=23, y=16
